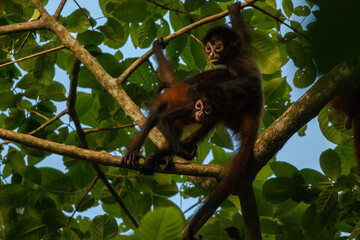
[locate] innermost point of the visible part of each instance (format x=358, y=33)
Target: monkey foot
x=130, y=159
x=150, y=162
x=188, y=151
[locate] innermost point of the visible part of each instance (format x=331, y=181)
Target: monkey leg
x=138, y=140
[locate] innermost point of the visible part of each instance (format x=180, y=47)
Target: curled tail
x=356, y=126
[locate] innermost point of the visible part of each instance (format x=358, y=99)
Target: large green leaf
x=330, y=164
x=265, y=52
x=77, y=21
x=161, y=224
x=133, y=11
x=288, y=7
x=283, y=169
x=103, y=227
x=277, y=190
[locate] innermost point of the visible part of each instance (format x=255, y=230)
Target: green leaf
x=161, y=224
x=277, y=190
x=356, y=232
x=146, y=33
x=133, y=11
x=77, y=21
x=283, y=169
x=54, y=91
x=275, y=89
x=26, y=228
x=90, y=38
x=265, y=52
x=116, y=33
x=312, y=222
x=331, y=133
x=288, y=7
x=222, y=138
x=302, y=11
x=298, y=53
x=330, y=164
x=312, y=176
x=103, y=227
x=305, y=77
x=326, y=202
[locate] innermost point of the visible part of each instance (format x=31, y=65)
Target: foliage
x=37, y=202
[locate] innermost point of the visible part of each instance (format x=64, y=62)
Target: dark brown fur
x=349, y=104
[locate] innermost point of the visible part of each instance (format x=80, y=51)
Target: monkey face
x=202, y=111
x=214, y=51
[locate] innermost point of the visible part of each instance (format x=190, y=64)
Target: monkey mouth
x=215, y=61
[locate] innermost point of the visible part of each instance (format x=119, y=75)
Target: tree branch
x=33, y=55
x=59, y=9
x=87, y=131
x=23, y=27
x=164, y=7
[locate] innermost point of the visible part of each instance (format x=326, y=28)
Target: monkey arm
x=239, y=25
x=166, y=70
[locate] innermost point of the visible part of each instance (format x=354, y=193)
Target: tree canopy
x=86, y=121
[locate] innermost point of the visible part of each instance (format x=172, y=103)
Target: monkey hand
x=235, y=7
x=159, y=43
x=188, y=151
x=130, y=158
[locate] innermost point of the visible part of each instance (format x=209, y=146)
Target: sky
x=302, y=152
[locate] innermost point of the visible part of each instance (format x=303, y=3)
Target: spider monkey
x=243, y=110
x=175, y=105
x=347, y=103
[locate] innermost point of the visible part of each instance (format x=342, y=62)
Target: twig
x=71, y=107
x=82, y=199
x=196, y=39
x=167, y=8
x=37, y=113
x=22, y=44
x=43, y=125
x=33, y=55
x=59, y=9
x=87, y=131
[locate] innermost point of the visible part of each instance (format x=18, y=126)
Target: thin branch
x=33, y=55
x=38, y=114
x=165, y=7
x=120, y=80
x=72, y=112
x=42, y=126
x=196, y=39
x=59, y=9
x=82, y=199
x=278, y=19
x=22, y=44
x=87, y=131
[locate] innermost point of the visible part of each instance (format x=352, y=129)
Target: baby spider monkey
x=175, y=105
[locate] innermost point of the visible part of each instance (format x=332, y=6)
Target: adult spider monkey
x=347, y=103
x=173, y=106
x=243, y=109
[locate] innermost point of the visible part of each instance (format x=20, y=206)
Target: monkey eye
x=219, y=47
x=208, y=47
x=198, y=105
x=207, y=111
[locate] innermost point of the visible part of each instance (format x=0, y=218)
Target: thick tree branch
x=23, y=27
x=212, y=170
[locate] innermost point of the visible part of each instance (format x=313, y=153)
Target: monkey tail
x=231, y=182
x=356, y=125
